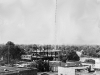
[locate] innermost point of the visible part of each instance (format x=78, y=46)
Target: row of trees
x=61, y=47
x=89, y=50
x=14, y=52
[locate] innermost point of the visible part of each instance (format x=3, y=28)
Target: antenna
x=55, y=25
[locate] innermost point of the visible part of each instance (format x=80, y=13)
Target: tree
x=11, y=52
x=9, y=43
x=35, y=47
x=70, y=56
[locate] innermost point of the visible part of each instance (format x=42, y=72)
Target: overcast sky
x=33, y=21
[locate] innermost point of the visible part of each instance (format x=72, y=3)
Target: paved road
x=78, y=73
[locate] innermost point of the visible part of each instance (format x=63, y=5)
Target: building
x=26, y=57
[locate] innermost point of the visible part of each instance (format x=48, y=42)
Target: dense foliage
x=68, y=51
x=88, y=50
x=70, y=56
x=10, y=52
x=42, y=65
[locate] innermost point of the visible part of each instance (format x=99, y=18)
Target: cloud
x=27, y=21
x=33, y=21
x=78, y=22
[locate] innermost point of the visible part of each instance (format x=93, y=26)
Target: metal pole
x=36, y=54
x=47, y=52
x=8, y=54
x=55, y=25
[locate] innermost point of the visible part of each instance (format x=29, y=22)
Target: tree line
x=11, y=51
x=88, y=50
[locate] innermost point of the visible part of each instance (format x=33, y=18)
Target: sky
x=33, y=22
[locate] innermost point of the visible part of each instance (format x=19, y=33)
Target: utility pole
x=8, y=53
